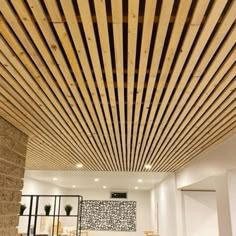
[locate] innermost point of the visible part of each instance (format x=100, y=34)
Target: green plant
x=47, y=209
x=68, y=209
x=22, y=209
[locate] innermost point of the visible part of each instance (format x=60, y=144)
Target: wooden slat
x=100, y=9
x=22, y=81
x=77, y=38
x=116, y=85
x=26, y=110
x=195, y=55
x=133, y=11
x=27, y=131
x=9, y=108
x=125, y=19
x=41, y=155
x=229, y=129
x=203, y=126
x=228, y=45
x=117, y=23
x=210, y=112
x=215, y=126
x=36, y=148
x=221, y=80
x=86, y=123
x=61, y=31
x=185, y=48
x=34, y=72
x=173, y=44
x=92, y=45
x=150, y=7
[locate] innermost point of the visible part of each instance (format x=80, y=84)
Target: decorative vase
x=47, y=212
x=68, y=212
x=47, y=209
x=68, y=209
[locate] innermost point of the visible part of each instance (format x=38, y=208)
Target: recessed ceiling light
x=79, y=165
x=73, y=186
x=104, y=187
x=140, y=180
x=148, y=166
x=96, y=179
x=55, y=179
x=136, y=187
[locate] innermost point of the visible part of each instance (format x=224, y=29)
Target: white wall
x=36, y=187
x=142, y=198
x=182, y=213
x=217, y=162
x=200, y=213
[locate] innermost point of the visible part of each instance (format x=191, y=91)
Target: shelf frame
x=57, y=203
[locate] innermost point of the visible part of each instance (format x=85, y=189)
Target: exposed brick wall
x=12, y=162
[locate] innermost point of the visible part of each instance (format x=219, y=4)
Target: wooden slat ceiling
x=116, y=85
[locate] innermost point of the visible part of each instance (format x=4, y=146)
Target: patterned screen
x=109, y=215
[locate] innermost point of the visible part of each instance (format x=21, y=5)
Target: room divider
x=44, y=214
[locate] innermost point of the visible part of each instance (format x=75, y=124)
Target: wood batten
x=115, y=85
x=149, y=14
x=133, y=11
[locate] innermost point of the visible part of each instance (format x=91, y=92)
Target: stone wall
x=12, y=162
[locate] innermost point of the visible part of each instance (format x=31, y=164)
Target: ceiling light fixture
x=96, y=180
x=148, y=166
x=140, y=180
x=55, y=179
x=104, y=187
x=73, y=186
x=80, y=165
x=136, y=187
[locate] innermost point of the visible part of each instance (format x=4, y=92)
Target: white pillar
x=232, y=199
x=179, y=213
x=223, y=205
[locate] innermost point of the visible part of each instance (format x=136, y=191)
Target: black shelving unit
x=33, y=213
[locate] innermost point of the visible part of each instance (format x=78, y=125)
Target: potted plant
x=68, y=209
x=22, y=209
x=47, y=209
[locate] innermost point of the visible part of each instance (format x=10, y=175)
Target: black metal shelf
x=52, y=215
x=34, y=203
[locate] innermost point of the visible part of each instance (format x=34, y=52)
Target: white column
x=223, y=205
x=179, y=213
x=232, y=198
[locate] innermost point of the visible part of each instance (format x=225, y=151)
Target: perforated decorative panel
x=109, y=215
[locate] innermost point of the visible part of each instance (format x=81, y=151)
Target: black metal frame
x=56, y=197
